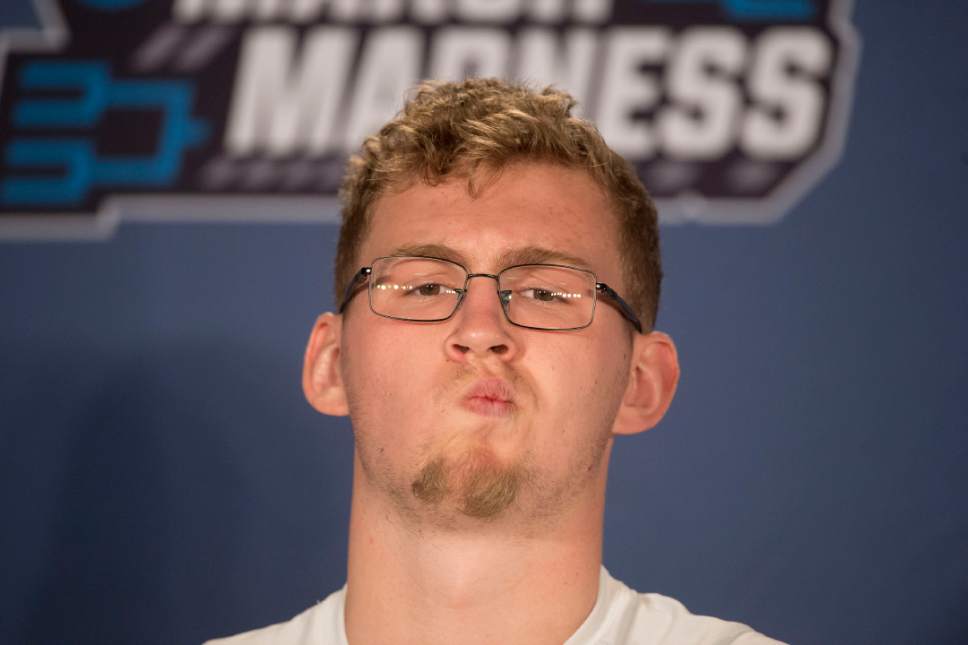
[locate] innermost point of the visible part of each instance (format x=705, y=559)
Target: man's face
x=473, y=417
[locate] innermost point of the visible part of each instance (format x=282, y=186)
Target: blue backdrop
x=162, y=480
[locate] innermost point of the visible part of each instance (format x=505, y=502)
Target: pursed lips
x=491, y=397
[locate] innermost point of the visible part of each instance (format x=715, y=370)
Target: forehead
x=527, y=213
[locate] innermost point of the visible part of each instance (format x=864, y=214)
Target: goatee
x=481, y=487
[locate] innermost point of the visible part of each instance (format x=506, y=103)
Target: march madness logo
x=731, y=110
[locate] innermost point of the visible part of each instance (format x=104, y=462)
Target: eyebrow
x=431, y=251
x=541, y=255
x=513, y=257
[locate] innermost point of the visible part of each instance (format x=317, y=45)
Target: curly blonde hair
x=455, y=129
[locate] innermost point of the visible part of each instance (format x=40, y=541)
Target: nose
x=480, y=329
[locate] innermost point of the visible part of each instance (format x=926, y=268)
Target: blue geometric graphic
x=91, y=79
x=74, y=156
x=752, y=10
x=111, y=5
x=83, y=169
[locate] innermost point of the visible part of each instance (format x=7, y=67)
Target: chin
x=477, y=484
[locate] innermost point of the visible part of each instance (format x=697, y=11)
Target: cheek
x=592, y=370
x=385, y=377
x=582, y=390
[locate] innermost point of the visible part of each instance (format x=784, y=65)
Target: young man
x=499, y=273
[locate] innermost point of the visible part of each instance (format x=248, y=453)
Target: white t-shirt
x=620, y=617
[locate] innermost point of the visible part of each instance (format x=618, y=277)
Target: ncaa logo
x=730, y=110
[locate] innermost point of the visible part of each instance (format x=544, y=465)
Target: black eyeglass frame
x=364, y=273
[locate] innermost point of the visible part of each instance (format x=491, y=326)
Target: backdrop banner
x=730, y=110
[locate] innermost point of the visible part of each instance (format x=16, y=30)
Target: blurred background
x=162, y=479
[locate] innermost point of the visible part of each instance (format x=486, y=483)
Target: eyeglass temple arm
x=622, y=305
x=359, y=278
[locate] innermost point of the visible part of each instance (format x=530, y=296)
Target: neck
x=484, y=583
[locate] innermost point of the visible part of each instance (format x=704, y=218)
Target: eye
x=428, y=289
x=539, y=294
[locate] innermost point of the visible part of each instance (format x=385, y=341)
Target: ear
x=322, y=379
x=653, y=376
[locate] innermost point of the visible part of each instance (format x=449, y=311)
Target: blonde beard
x=481, y=487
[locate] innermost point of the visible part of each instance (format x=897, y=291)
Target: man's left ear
x=653, y=376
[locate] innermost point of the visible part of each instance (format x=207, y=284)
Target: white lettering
x=282, y=112
x=300, y=100
x=429, y=11
x=459, y=52
x=547, y=10
x=626, y=89
x=307, y=10
x=383, y=11
x=389, y=67
x=268, y=9
x=787, y=119
x=229, y=10
x=188, y=10
x=386, y=10
x=542, y=60
x=593, y=11
x=703, y=122
x=488, y=10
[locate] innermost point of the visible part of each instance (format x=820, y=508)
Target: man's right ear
x=322, y=379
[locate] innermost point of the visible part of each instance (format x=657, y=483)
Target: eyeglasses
x=551, y=297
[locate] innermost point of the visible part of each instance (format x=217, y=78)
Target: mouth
x=490, y=398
